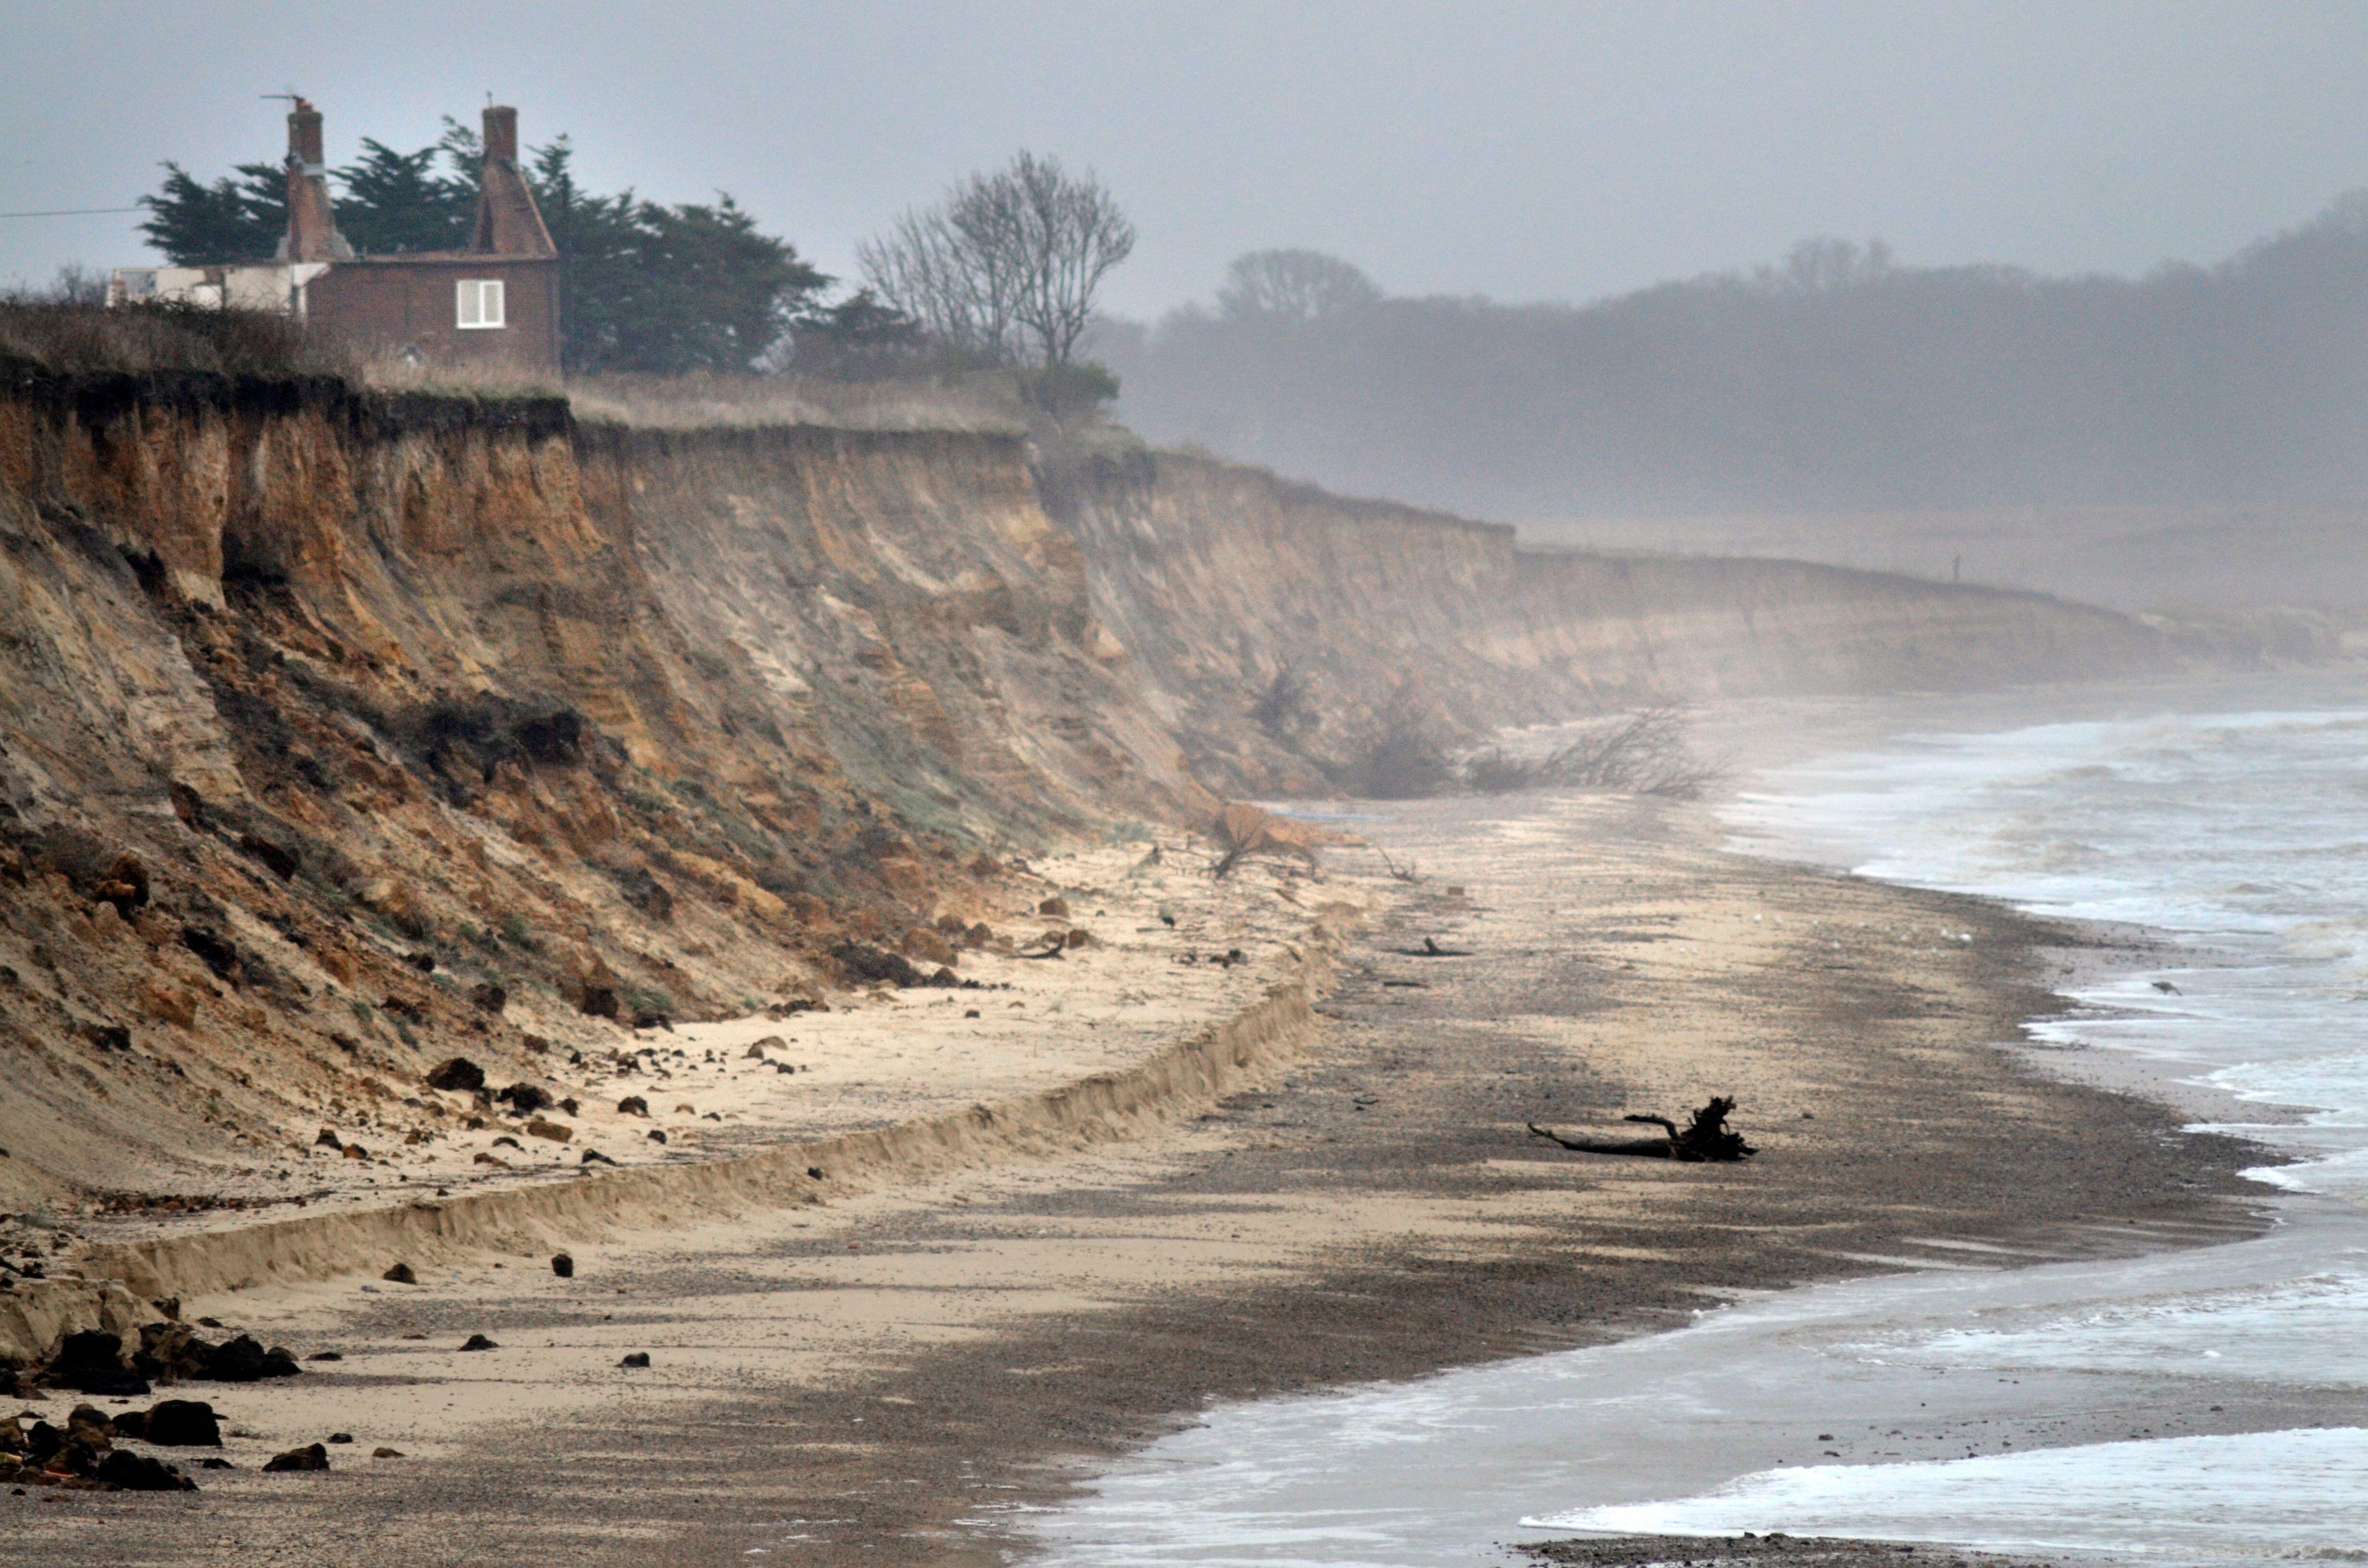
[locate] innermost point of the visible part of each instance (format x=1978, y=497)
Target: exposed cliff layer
x=1290, y=627
x=344, y=735
x=341, y=733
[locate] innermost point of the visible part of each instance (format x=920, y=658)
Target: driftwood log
x=1706, y=1137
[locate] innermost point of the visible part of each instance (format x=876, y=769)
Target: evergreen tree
x=391, y=202
x=240, y=217
x=664, y=290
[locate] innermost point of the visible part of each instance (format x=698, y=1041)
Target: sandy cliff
x=341, y=733
x=1220, y=578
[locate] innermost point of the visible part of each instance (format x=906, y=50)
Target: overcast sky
x=1522, y=151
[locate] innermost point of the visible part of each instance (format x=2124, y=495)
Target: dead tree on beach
x=1705, y=1138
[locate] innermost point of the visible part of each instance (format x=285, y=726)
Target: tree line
x=1001, y=273
x=1836, y=380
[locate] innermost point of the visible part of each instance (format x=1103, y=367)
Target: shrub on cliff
x=71, y=339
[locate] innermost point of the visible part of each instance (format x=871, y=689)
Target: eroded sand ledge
x=902, y=1365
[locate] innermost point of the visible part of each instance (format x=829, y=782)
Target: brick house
x=495, y=303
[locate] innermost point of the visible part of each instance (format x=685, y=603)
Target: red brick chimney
x=311, y=220
x=508, y=223
x=501, y=134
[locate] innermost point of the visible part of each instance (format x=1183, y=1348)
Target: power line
x=70, y=213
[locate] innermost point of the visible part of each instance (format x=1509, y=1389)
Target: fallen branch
x=1705, y=1138
x=1432, y=950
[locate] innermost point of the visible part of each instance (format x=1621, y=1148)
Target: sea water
x=2240, y=833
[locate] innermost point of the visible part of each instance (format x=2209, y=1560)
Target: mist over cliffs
x=1839, y=380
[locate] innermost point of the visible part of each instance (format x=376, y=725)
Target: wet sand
x=902, y=1374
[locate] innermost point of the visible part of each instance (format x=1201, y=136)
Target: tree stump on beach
x=1705, y=1138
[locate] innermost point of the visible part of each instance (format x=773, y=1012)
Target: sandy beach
x=901, y=1368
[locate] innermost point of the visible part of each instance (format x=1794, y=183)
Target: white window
x=480, y=302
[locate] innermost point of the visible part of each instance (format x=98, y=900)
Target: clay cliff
x=342, y=733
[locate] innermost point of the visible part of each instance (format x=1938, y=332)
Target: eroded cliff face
x=344, y=735
x=906, y=597
x=340, y=735
x=1289, y=626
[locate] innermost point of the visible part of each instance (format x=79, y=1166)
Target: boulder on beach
x=94, y=1362
x=457, y=1074
x=139, y=1472
x=311, y=1457
x=180, y=1424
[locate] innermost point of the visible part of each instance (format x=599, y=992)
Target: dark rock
x=131, y=1424
x=424, y=962
x=41, y=1440
x=1055, y=906
x=181, y=1423
x=139, y=1472
x=526, y=1097
x=656, y=1136
x=512, y=1142
x=212, y=1461
x=80, y=1453
x=282, y=862
x=93, y=1362
x=458, y=1074
x=945, y=980
x=401, y=1274
x=569, y=1106
x=357, y=1152
x=815, y=1171
x=599, y=1002
x=638, y=1358
x=562, y=1266
x=107, y=1037
x=238, y=1360
x=278, y=1363
x=213, y=950
x=479, y=1341
x=487, y=997
x=328, y=1139
x=312, y=1457
x=325, y=1356
x=654, y=1021
x=594, y=1157
x=633, y=1104
x=863, y=962
x=91, y=1419
x=130, y=876
x=341, y=1436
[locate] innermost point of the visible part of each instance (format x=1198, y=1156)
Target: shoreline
x=921, y=1358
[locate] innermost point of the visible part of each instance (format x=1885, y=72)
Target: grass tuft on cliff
x=984, y=404
x=72, y=339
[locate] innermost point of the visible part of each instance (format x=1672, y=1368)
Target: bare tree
x=1298, y=286
x=928, y=268
x=1007, y=265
